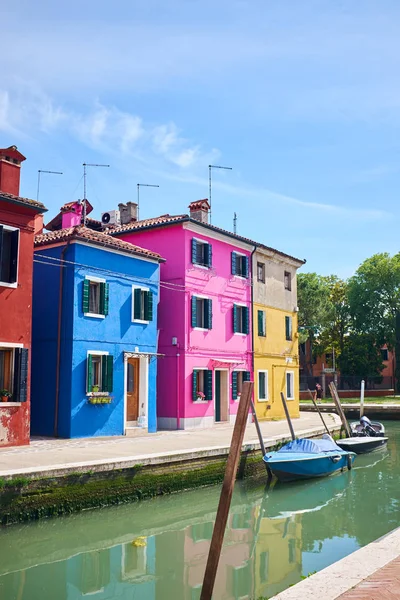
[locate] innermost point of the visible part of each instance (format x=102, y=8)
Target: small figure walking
x=318, y=392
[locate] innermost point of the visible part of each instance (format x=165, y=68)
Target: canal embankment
x=55, y=477
x=370, y=572
x=373, y=410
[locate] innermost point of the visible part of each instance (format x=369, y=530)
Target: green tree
x=374, y=299
x=360, y=356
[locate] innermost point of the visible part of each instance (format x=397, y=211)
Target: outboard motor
x=367, y=425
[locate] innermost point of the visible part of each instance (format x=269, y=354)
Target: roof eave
x=39, y=209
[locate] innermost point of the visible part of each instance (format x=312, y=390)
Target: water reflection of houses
x=104, y=556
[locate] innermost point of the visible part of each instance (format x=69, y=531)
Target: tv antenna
x=38, y=179
x=84, y=186
x=234, y=222
x=209, y=181
x=139, y=185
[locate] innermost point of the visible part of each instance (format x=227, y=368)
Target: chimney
x=71, y=214
x=38, y=224
x=128, y=212
x=199, y=210
x=10, y=170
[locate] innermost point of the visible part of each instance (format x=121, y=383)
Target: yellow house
x=276, y=350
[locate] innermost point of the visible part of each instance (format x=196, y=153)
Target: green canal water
x=157, y=549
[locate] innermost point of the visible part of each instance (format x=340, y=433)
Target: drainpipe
x=178, y=414
x=60, y=306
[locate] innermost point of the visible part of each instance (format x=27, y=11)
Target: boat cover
x=310, y=446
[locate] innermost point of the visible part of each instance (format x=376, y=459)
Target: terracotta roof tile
x=25, y=201
x=96, y=237
x=171, y=219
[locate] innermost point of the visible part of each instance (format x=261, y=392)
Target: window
x=201, y=312
x=290, y=385
x=201, y=385
x=240, y=319
x=240, y=265
x=99, y=376
x=262, y=386
x=238, y=377
x=201, y=253
x=292, y=550
x=95, y=297
x=262, y=323
x=14, y=372
x=288, y=328
x=264, y=565
x=261, y=272
x=241, y=578
x=202, y=531
x=142, y=308
x=9, y=242
x=288, y=281
x=384, y=354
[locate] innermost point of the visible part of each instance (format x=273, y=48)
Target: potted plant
x=5, y=395
x=200, y=396
x=95, y=388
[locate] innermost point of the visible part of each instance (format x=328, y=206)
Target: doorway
x=221, y=395
x=132, y=390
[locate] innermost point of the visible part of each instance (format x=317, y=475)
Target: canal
x=157, y=549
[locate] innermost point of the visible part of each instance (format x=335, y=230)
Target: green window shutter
x=246, y=375
x=209, y=314
x=20, y=375
x=245, y=266
x=89, y=368
x=208, y=384
x=235, y=308
x=137, y=300
x=194, y=311
x=209, y=255
x=233, y=263
x=14, y=256
x=246, y=319
x=104, y=298
x=148, y=307
x=288, y=327
x=194, y=251
x=107, y=372
x=194, y=385
x=85, y=304
x=261, y=386
x=260, y=322
x=234, y=385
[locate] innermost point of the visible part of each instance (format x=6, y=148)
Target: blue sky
x=301, y=99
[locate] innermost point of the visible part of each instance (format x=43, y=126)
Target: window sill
x=240, y=333
x=262, y=400
x=94, y=315
x=290, y=399
x=9, y=285
x=97, y=394
x=5, y=404
x=140, y=321
x=240, y=276
x=201, y=401
x=207, y=267
x=201, y=329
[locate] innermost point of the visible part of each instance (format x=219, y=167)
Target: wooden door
x=217, y=396
x=132, y=390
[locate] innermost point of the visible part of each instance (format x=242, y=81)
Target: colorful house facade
x=276, y=351
x=205, y=322
x=95, y=332
x=18, y=219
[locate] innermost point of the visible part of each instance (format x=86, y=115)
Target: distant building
x=18, y=219
x=94, y=333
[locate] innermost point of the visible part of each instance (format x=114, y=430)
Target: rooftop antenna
x=38, y=179
x=84, y=186
x=209, y=181
x=139, y=185
x=234, y=222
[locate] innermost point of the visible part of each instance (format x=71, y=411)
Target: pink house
x=205, y=324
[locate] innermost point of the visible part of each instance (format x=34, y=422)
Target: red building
x=19, y=218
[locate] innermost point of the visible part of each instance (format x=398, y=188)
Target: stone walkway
x=55, y=456
x=382, y=585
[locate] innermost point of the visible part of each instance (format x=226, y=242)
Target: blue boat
x=304, y=459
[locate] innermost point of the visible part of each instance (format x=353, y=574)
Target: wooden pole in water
x=226, y=492
x=257, y=424
x=339, y=408
x=319, y=412
x=287, y=416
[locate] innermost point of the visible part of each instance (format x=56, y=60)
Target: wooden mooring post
x=339, y=408
x=288, y=416
x=226, y=492
x=319, y=412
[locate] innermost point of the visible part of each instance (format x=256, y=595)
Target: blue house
x=94, y=346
